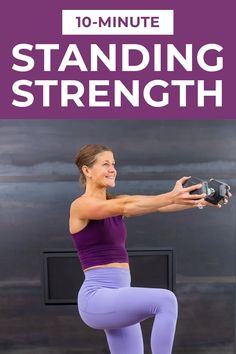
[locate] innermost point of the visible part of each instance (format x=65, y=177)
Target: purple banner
x=105, y=64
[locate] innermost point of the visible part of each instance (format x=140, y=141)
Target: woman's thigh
x=114, y=308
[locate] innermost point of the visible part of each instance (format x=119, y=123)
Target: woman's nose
x=112, y=168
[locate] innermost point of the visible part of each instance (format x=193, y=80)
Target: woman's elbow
x=131, y=209
x=126, y=210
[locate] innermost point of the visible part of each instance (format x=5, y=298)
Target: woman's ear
x=86, y=171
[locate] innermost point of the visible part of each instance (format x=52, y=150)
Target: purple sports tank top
x=101, y=242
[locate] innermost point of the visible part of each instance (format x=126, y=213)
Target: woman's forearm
x=142, y=204
x=176, y=200
x=175, y=207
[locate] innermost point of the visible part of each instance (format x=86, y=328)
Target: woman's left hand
x=219, y=205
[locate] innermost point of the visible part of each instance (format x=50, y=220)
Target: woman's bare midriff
x=116, y=265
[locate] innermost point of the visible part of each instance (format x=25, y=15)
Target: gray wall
x=38, y=183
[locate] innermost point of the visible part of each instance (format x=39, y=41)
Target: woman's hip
x=98, y=279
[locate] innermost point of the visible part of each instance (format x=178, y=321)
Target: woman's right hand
x=182, y=195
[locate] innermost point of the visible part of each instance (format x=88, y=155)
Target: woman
x=106, y=300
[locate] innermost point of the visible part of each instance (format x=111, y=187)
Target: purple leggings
x=107, y=301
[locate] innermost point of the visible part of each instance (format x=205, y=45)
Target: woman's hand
x=182, y=195
x=182, y=200
x=219, y=205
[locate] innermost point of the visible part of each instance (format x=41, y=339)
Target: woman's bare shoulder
x=94, y=208
x=76, y=203
x=75, y=222
x=82, y=202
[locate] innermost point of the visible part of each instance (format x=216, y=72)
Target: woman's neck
x=95, y=192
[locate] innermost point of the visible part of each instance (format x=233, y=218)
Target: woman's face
x=103, y=171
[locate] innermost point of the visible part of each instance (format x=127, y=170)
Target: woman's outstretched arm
x=133, y=205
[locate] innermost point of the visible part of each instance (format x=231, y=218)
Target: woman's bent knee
x=171, y=303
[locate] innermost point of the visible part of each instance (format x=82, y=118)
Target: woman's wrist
x=171, y=197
